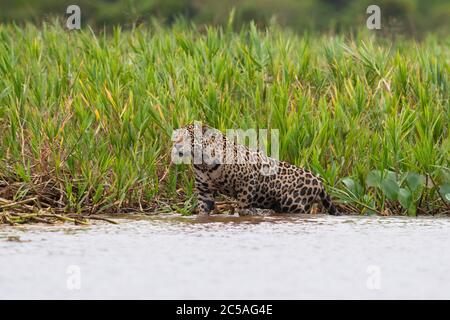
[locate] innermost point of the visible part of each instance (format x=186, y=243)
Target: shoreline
x=46, y=218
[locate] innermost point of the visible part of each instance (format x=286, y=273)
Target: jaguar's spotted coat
x=288, y=189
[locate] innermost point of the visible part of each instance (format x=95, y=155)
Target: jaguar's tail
x=326, y=202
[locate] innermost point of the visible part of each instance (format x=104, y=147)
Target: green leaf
x=349, y=183
x=412, y=209
x=404, y=197
x=414, y=181
x=352, y=186
x=444, y=190
x=373, y=179
x=444, y=174
x=390, y=189
x=390, y=175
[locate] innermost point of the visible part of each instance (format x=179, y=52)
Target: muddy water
x=271, y=257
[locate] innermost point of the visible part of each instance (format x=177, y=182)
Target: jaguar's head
x=194, y=143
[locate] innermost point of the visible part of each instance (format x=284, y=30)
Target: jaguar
x=255, y=180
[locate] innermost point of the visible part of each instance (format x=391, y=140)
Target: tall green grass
x=86, y=117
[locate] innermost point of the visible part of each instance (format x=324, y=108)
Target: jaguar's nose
x=179, y=149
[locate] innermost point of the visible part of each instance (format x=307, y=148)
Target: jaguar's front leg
x=245, y=202
x=205, y=198
x=247, y=212
x=250, y=211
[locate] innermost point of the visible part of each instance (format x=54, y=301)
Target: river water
x=349, y=257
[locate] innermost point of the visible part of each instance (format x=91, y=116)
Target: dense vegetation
x=86, y=119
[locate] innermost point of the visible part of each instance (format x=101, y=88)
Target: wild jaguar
x=256, y=181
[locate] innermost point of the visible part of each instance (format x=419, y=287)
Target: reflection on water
x=229, y=257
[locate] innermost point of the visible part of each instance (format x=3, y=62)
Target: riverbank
x=23, y=214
